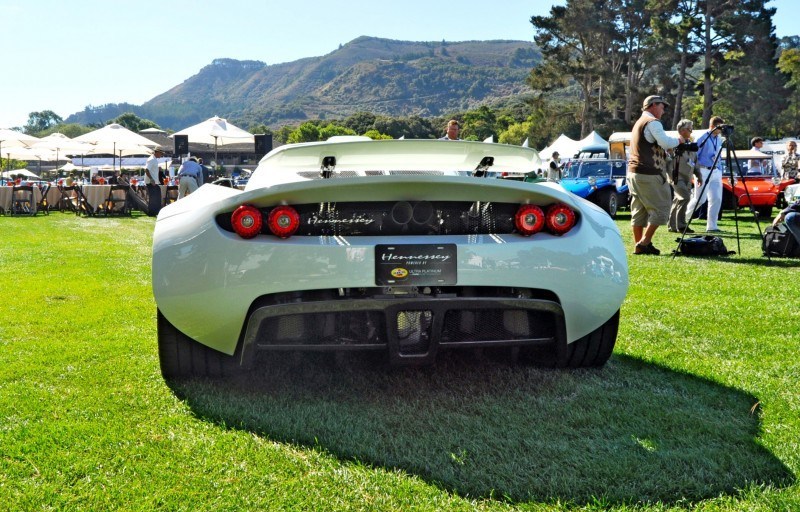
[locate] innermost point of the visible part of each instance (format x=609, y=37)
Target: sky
x=65, y=55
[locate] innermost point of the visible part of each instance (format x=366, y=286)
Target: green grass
x=698, y=408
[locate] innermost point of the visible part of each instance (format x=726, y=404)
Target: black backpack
x=703, y=246
x=779, y=243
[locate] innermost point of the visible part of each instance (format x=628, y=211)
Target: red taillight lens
x=560, y=218
x=246, y=221
x=283, y=221
x=529, y=219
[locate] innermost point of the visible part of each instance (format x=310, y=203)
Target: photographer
x=709, y=145
x=681, y=177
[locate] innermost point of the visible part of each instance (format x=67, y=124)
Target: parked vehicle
x=401, y=247
x=599, y=180
x=757, y=184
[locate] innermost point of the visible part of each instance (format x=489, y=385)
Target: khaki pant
x=186, y=186
x=680, y=200
x=650, y=199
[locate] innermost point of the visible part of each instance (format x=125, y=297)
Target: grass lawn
x=698, y=408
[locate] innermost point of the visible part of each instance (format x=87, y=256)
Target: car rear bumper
x=411, y=329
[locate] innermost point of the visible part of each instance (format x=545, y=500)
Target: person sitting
x=791, y=217
x=754, y=168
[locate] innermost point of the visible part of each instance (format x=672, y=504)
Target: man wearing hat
x=647, y=180
x=152, y=183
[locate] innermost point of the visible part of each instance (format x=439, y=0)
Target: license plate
x=416, y=265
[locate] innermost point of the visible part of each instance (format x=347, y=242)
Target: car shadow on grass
x=629, y=432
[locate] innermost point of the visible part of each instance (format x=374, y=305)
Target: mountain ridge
x=383, y=76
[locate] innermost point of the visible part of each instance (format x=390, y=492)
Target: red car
x=758, y=177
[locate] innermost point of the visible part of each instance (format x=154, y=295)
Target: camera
x=726, y=129
x=686, y=146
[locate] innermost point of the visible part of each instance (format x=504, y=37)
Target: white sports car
x=398, y=246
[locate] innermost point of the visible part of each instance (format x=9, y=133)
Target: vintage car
x=400, y=247
x=600, y=180
x=755, y=182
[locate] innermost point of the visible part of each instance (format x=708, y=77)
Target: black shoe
x=646, y=249
x=688, y=230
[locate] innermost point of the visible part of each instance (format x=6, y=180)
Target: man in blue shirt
x=709, y=145
x=191, y=177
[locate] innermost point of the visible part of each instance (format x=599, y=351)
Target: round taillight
x=283, y=221
x=560, y=218
x=246, y=221
x=529, y=219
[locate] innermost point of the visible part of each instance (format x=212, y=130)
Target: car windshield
x=594, y=168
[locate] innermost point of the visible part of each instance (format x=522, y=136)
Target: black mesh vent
x=414, y=331
x=345, y=328
x=496, y=325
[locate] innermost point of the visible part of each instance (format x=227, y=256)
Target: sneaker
x=646, y=249
x=713, y=231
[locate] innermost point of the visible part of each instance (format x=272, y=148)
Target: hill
x=383, y=76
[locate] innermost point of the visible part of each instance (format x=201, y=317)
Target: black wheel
x=182, y=357
x=607, y=200
x=764, y=211
x=590, y=351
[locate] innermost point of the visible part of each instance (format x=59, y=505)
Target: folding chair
x=70, y=200
x=22, y=201
x=43, y=205
x=172, y=194
x=117, y=201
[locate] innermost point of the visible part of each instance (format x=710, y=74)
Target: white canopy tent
x=565, y=147
x=593, y=139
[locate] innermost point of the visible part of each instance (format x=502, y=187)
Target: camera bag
x=781, y=243
x=703, y=246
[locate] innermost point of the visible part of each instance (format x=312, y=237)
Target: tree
x=516, y=134
x=376, y=135
x=306, y=132
x=260, y=128
x=574, y=40
x=41, y=121
x=479, y=124
x=360, y=122
x=133, y=122
x=789, y=64
x=751, y=76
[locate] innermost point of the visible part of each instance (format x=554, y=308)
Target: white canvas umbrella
x=20, y=172
x=61, y=144
x=14, y=139
x=217, y=131
x=118, y=137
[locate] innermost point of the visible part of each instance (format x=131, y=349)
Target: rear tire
x=607, y=200
x=590, y=351
x=182, y=357
x=765, y=212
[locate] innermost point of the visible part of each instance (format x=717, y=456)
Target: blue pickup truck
x=600, y=180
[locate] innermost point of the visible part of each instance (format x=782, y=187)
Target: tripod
x=727, y=143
